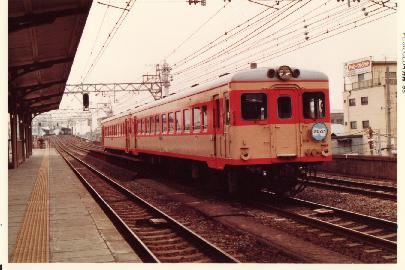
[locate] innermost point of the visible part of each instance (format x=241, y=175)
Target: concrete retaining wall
x=364, y=166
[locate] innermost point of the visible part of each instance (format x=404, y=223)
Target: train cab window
x=313, y=105
x=196, y=119
x=204, y=117
x=284, y=107
x=178, y=121
x=164, y=123
x=254, y=106
x=186, y=120
x=157, y=123
x=171, y=122
x=152, y=125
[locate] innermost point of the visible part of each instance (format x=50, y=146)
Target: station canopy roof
x=43, y=36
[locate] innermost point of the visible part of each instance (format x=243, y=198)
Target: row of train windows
x=254, y=106
x=117, y=129
x=175, y=122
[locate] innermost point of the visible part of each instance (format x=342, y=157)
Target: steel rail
x=334, y=228
x=381, y=191
x=213, y=251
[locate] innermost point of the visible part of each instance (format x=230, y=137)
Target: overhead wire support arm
x=153, y=86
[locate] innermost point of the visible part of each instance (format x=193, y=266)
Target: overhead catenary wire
x=255, y=45
x=95, y=41
x=202, y=75
x=197, y=30
x=220, y=64
x=255, y=32
x=111, y=35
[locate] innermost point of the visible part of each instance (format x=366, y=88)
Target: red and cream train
x=272, y=121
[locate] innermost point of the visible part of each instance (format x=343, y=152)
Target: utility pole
x=370, y=140
x=379, y=141
x=388, y=109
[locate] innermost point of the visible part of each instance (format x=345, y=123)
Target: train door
x=126, y=131
x=135, y=128
x=285, y=128
x=227, y=121
x=217, y=125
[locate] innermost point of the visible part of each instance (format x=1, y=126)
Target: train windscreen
x=313, y=104
x=254, y=106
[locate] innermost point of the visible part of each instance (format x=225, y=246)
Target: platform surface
x=52, y=217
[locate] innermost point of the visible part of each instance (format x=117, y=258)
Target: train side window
x=142, y=125
x=284, y=107
x=313, y=105
x=152, y=125
x=171, y=122
x=157, y=122
x=227, y=112
x=196, y=119
x=178, y=122
x=139, y=126
x=186, y=120
x=164, y=123
x=254, y=106
x=204, y=117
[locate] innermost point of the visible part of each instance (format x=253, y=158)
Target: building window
x=353, y=124
x=364, y=100
x=352, y=102
x=366, y=124
x=361, y=77
x=284, y=107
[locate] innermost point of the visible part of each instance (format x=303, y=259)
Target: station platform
x=52, y=217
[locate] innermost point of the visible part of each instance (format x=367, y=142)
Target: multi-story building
x=370, y=104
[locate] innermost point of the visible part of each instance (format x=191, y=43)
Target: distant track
x=375, y=190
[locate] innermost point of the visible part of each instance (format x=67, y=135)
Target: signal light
x=86, y=100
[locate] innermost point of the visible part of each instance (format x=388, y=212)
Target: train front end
x=281, y=124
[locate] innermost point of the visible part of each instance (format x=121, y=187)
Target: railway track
x=374, y=231
x=155, y=236
x=369, y=189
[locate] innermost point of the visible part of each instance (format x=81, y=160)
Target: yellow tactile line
x=33, y=239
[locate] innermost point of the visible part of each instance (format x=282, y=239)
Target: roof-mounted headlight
x=284, y=73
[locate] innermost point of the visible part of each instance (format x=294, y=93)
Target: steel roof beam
x=35, y=19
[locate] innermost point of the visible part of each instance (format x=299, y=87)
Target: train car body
x=254, y=118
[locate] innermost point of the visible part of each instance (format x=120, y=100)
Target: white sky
x=154, y=28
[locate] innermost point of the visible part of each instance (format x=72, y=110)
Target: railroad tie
x=33, y=239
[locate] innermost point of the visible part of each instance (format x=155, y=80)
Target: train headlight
x=284, y=73
x=319, y=131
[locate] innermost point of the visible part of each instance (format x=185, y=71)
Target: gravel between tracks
x=386, y=209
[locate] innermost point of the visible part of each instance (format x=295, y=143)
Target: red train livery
x=272, y=121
